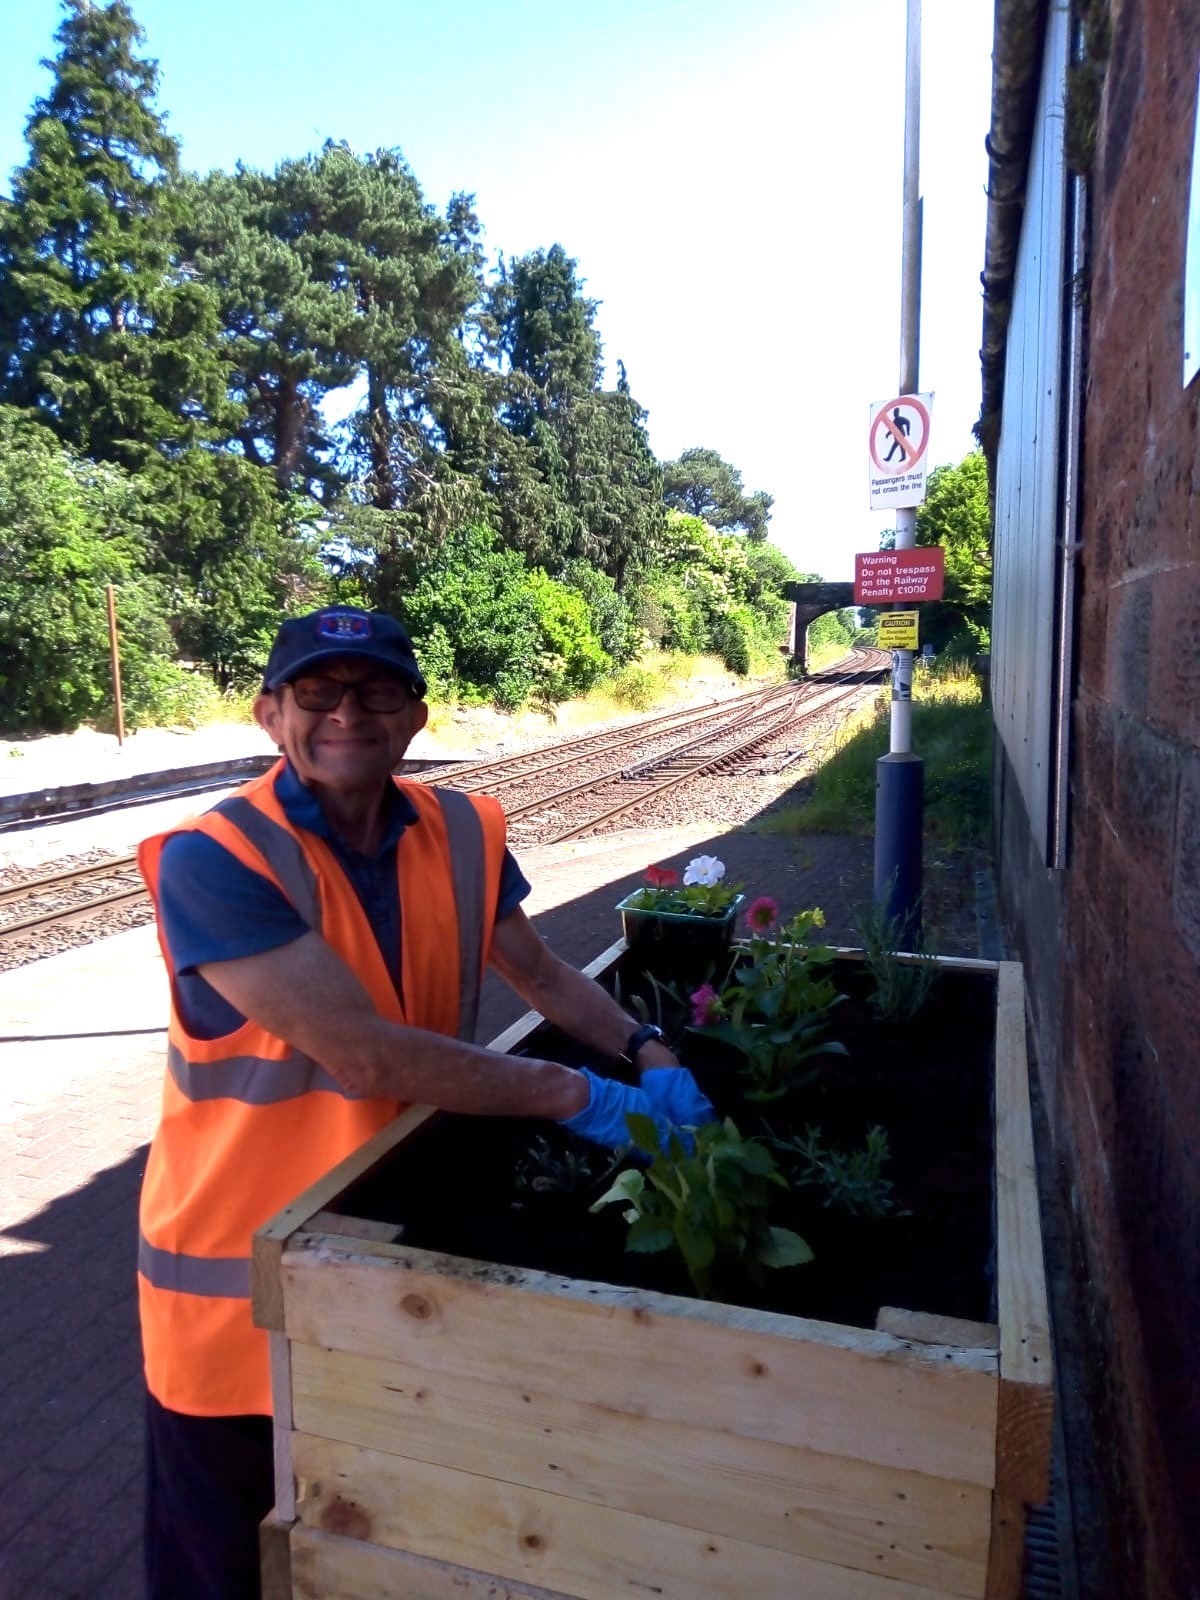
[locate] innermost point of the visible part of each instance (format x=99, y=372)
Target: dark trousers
x=209, y=1483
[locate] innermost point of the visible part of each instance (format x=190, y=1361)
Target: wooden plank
x=266, y=1249
x=841, y=1391
x=517, y=1032
x=1006, y=1556
x=274, y=1554
x=923, y=1328
x=829, y=1508
x=564, y=1545
x=281, y=1410
x=326, y=1567
x=354, y=1227
x=1026, y=1402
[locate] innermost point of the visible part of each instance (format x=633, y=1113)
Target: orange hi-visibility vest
x=248, y=1123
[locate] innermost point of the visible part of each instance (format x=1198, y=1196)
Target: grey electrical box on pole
x=899, y=776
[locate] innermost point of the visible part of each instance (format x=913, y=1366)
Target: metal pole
x=115, y=654
x=899, y=776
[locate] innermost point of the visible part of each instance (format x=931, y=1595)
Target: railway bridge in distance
x=810, y=601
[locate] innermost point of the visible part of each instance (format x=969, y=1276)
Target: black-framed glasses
x=372, y=694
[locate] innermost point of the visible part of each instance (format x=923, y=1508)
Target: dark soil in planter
x=468, y=1186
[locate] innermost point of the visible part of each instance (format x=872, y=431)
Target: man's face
x=347, y=748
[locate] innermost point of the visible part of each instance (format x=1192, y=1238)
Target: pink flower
x=706, y=1006
x=762, y=914
x=661, y=877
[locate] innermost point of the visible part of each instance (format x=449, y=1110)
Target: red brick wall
x=1127, y=1092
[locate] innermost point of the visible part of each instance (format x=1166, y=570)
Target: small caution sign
x=898, y=630
x=899, y=450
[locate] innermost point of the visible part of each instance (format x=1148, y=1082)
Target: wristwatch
x=641, y=1036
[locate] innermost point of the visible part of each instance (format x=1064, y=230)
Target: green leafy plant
x=852, y=1180
x=552, y=1166
x=702, y=893
x=775, y=1009
x=709, y=1201
x=902, y=983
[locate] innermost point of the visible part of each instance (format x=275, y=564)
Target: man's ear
x=420, y=715
x=267, y=715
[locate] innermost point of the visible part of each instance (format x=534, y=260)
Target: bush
x=732, y=637
x=67, y=529
x=635, y=687
x=486, y=629
x=471, y=611
x=158, y=693
x=571, y=659
x=612, y=620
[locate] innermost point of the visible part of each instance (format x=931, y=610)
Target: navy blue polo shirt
x=215, y=909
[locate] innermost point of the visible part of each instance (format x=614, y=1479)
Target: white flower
x=704, y=869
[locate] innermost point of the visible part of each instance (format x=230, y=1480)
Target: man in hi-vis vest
x=326, y=931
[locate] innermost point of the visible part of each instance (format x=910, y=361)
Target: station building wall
x=1110, y=931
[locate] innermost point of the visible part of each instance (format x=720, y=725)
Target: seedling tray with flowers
x=482, y=1389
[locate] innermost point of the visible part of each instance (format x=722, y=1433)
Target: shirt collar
x=303, y=810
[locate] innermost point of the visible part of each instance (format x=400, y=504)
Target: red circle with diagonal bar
x=911, y=454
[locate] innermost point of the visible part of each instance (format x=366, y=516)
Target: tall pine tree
x=100, y=335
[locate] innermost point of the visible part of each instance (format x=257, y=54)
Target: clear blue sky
x=728, y=178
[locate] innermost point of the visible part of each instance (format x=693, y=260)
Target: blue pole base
x=899, y=822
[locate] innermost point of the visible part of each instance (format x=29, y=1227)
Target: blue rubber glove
x=675, y=1095
x=603, y=1118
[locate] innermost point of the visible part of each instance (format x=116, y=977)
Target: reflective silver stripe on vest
x=464, y=830
x=226, y=1277
x=282, y=852
x=254, y=1080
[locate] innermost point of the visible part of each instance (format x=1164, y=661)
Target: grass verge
x=952, y=732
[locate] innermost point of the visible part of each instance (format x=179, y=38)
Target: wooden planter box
x=454, y=1428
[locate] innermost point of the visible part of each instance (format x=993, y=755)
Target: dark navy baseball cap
x=341, y=631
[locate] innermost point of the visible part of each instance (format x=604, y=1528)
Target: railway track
x=612, y=774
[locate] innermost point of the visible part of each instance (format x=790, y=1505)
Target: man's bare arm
x=305, y=993
x=562, y=994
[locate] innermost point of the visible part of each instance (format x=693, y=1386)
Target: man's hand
x=675, y=1095
x=603, y=1118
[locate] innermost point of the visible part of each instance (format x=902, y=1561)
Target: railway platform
x=81, y=1060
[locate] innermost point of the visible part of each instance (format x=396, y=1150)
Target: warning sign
x=898, y=630
x=899, y=450
x=882, y=577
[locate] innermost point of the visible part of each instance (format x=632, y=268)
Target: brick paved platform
x=80, y=1076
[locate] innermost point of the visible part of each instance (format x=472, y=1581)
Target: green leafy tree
x=613, y=483
x=571, y=658
x=332, y=269
x=543, y=326
x=702, y=484
x=233, y=557
x=576, y=479
x=67, y=529
x=955, y=515
x=473, y=620
x=285, y=334
x=100, y=333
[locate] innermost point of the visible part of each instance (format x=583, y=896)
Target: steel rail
x=63, y=916
x=608, y=739
x=598, y=780
x=801, y=696
x=48, y=880
x=697, y=769
x=629, y=737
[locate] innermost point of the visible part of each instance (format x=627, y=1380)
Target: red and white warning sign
x=899, y=446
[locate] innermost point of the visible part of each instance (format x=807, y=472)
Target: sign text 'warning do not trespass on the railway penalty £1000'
x=899, y=450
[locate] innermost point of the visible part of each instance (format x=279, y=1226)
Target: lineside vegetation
x=237, y=394
x=952, y=731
